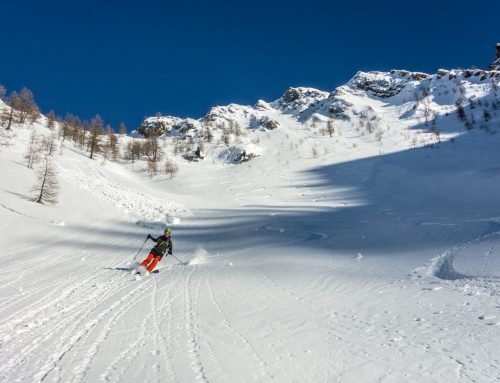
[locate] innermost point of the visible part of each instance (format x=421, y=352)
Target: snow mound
x=442, y=265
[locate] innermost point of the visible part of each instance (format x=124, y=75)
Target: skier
x=163, y=243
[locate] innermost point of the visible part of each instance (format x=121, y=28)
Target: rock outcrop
x=495, y=65
x=384, y=84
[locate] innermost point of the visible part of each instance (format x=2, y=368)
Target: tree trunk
x=10, y=118
x=39, y=200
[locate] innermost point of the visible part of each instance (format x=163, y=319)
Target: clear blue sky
x=126, y=60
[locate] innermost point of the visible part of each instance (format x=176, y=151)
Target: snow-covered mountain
x=349, y=236
x=423, y=108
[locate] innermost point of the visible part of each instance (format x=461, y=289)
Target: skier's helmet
x=168, y=231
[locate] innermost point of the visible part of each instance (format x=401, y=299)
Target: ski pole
x=138, y=251
x=176, y=258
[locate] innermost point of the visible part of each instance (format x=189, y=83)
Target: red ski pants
x=151, y=260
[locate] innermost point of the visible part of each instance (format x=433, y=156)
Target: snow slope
x=359, y=257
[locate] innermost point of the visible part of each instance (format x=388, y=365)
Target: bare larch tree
x=95, y=132
x=47, y=186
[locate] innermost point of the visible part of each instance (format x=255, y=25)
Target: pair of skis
x=139, y=271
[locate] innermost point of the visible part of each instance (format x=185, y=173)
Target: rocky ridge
x=415, y=95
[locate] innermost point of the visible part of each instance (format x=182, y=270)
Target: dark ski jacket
x=163, y=243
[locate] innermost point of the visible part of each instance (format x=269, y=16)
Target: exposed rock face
x=168, y=125
x=240, y=153
x=495, y=65
x=269, y=123
x=296, y=100
x=245, y=157
x=338, y=108
x=383, y=84
x=186, y=126
x=229, y=114
x=291, y=95
x=157, y=125
x=262, y=105
x=194, y=155
x=215, y=113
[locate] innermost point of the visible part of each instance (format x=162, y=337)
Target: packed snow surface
x=371, y=254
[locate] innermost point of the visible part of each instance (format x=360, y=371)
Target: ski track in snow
x=83, y=364
x=150, y=330
x=70, y=330
x=118, y=367
x=193, y=342
x=209, y=351
x=244, y=342
x=158, y=309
